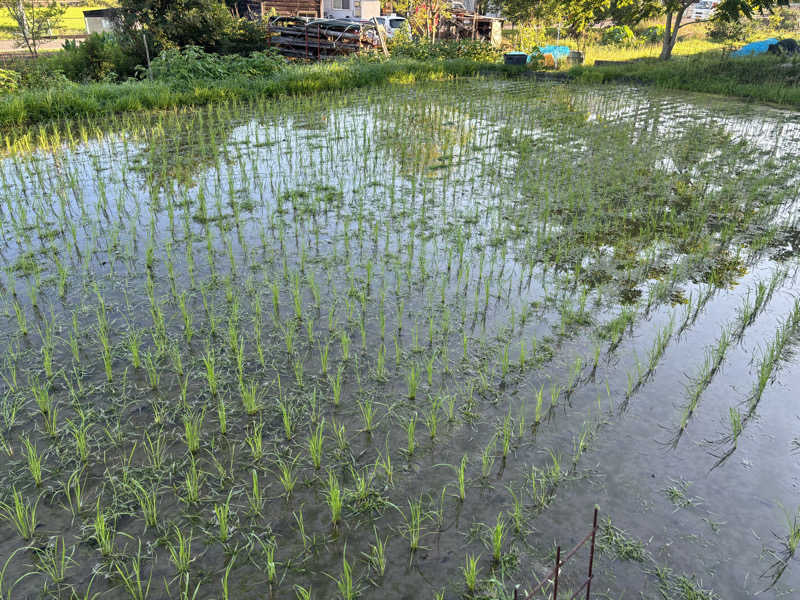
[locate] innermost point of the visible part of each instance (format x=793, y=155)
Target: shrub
x=42, y=74
x=425, y=50
x=618, y=35
x=98, y=58
x=193, y=64
x=9, y=81
x=720, y=29
x=653, y=34
x=785, y=19
x=529, y=37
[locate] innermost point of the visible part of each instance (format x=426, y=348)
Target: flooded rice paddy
x=399, y=343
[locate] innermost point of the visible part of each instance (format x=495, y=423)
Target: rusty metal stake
x=555, y=576
x=591, y=555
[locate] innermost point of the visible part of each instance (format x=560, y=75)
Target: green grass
x=764, y=78
x=91, y=100
x=72, y=23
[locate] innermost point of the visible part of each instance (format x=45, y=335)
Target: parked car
x=391, y=23
x=704, y=10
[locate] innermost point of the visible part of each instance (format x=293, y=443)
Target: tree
x=574, y=15
x=728, y=10
x=34, y=21
x=175, y=23
x=631, y=12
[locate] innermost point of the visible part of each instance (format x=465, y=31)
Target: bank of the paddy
x=768, y=78
x=763, y=79
x=30, y=107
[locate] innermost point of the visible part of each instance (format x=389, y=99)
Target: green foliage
x=725, y=30
x=631, y=12
x=175, y=23
x=449, y=49
x=528, y=37
x=42, y=74
x=653, y=34
x=9, y=80
x=98, y=58
x=758, y=78
x=193, y=64
x=619, y=35
x=26, y=107
x=785, y=19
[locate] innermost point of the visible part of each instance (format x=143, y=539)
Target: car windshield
x=396, y=23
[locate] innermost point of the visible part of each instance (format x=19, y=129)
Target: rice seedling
x=251, y=398
x=223, y=514
x=497, y=538
x=377, y=554
x=34, y=461
x=287, y=419
x=132, y=577
x=432, y=417
x=334, y=498
x=286, y=476
x=315, y=445
x=21, y=514
x=345, y=582
x=411, y=426
x=192, y=483
x=180, y=551
x=255, y=441
x=462, y=492
x=367, y=414
x=104, y=534
x=147, y=500
x=412, y=380
x=413, y=524
x=470, y=571
x=53, y=560
x=192, y=430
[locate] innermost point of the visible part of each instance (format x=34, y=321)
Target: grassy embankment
x=30, y=107
x=760, y=78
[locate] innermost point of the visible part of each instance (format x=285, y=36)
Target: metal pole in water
x=555, y=576
x=591, y=555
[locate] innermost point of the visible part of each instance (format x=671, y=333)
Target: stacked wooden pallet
x=317, y=39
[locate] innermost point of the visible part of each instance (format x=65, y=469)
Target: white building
x=351, y=9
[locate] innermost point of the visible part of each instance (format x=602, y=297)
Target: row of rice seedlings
x=773, y=356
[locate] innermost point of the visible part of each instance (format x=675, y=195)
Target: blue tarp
x=759, y=47
x=558, y=52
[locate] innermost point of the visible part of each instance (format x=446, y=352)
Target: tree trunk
x=666, y=43
x=671, y=32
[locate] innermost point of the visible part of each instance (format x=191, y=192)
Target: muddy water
x=482, y=214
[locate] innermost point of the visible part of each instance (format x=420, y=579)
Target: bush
x=785, y=19
x=9, y=81
x=98, y=58
x=720, y=29
x=425, y=50
x=618, y=35
x=193, y=64
x=653, y=34
x=42, y=74
x=529, y=37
